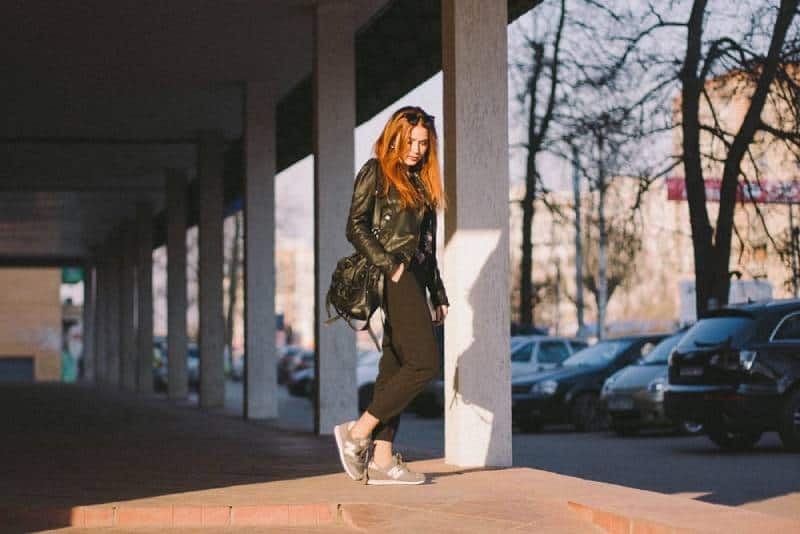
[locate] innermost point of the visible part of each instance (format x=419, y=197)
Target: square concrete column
x=260, y=378
x=144, y=296
x=127, y=326
x=334, y=124
x=476, y=266
x=177, y=209
x=210, y=167
x=113, y=346
x=100, y=317
x=89, y=303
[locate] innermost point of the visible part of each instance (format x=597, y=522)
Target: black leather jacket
x=396, y=237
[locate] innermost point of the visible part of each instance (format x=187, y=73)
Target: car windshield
x=660, y=353
x=517, y=341
x=598, y=354
x=522, y=351
x=714, y=331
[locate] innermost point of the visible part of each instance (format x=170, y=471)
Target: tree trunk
x=576, y=190
x=692, y=165
x=602, y=245
x=526, y=271
x=535, y=140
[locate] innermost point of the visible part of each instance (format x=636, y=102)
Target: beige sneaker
x=353, y=453
x=396, y=473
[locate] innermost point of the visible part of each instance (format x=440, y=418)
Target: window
x=734, y=330
x=522, y=352
x=789, y=329
x=599, y=354
x=578, y=345
x=660, y=354
x=552, y=352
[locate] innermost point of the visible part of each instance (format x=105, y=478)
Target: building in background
x=294, y=289
x=30, y=325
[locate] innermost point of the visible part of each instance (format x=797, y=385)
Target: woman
x=405, y=174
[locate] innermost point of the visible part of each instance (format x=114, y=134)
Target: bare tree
x=583, y=77
x=702, y=60
x=539, y=93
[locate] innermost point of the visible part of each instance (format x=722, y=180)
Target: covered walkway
x=125, y=126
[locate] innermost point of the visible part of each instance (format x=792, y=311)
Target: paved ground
x=76, y=455
x=767, y=479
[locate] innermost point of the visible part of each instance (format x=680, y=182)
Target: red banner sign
x=765, y=192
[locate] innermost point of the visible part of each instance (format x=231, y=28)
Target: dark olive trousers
x=410, y=353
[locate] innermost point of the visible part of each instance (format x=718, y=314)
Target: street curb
x=692, y=516
x=614, y=523
x=170, y=516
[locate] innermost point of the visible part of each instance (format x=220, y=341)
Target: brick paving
x=76, y=457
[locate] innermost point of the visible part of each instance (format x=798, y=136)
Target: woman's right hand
x=398, y=273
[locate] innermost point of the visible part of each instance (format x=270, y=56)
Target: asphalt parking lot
x=766, y=479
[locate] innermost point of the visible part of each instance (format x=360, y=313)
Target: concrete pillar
x=89, y=303
x=260, y=380
x=177, y=208
x=100, y=317
x=144, y=296
x=127, y=326
x=210, y=168
x=112, y=314
x=334, y=123
x=476, y=273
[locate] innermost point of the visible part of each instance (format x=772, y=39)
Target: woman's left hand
x=439, y=314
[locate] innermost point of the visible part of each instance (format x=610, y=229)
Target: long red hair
x=389, y=151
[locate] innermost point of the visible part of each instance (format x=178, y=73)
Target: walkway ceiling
x=99, y=97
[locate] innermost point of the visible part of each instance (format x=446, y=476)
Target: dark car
x=529, y=353
x=572, y=392
x=737, y=371
x=161, y=366
x=633, y=397
x=289, y=360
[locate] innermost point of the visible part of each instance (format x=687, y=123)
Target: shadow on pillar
x=484, y=400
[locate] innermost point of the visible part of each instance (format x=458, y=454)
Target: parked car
x=301, y=378
x=633, y=397
x=237, y=368
x=289, y=358
x=572, y=393
x=301, y=382
x=737, y=371
x=161, y=365
x=529, y=354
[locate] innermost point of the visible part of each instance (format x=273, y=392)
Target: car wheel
x=587, y=413
x=690, y=428
x=365, y=396
x=732, y=440
x=789, y=424
x=623, y=429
